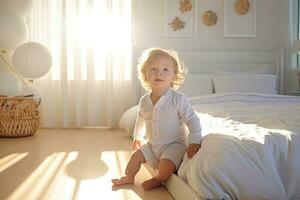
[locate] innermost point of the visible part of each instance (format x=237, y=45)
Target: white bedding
x=250, y=148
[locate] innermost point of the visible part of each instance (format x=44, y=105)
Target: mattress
x=250, y=147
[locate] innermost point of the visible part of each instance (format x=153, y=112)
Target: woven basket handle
x=39, y=101
x=28, y=96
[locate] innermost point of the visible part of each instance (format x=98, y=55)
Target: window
x=296, y=33
x=298, y=29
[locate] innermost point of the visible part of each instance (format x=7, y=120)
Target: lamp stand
x=11, y=68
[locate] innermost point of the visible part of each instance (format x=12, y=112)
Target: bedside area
x=294, y=92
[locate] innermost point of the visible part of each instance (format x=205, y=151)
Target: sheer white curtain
x=90, y=82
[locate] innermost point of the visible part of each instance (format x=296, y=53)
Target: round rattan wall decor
x=242, y=6
x=209, y=18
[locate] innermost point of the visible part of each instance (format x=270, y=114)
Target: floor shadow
x=47, y=144
x=86, y=167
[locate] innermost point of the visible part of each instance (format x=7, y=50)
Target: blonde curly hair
x=149, y=55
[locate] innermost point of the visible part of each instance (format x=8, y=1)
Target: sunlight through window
x=10, y=160
x=39, y=182
x=103, y=35
x=91, y=46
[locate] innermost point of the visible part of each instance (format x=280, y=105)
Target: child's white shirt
x=164, y=122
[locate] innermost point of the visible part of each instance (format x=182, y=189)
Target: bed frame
x=200, y=62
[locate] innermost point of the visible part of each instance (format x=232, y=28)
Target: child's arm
x=194, y=127
x=139, y=131
x=191, y=119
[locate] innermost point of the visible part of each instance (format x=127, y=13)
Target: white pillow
x=196, y=85
x=256, y=83
x=127, y=121
x=261, y=70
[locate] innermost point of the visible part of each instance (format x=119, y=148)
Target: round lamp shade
x=10, y=85
x=19, y=7
x=32, y=60
x=13, y=31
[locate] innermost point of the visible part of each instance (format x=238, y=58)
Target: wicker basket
x=19, y=116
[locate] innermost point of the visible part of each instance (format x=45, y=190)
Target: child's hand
x=192, y=150
x=136, y=144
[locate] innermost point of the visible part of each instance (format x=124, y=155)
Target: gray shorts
x=172, y=151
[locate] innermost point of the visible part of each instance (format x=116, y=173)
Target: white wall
x=149, y=28
x=271, y=28
x=288, y=23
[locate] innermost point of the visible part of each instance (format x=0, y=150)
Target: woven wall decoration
x=242, y=6
x=209, y=18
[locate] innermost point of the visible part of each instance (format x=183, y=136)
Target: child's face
x=160, y=72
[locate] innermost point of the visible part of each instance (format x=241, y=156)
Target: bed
x=250, y=147
x=251, y=133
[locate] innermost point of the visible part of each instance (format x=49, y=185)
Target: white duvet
x=250, y=148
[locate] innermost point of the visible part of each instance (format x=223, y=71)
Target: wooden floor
x=69, y=164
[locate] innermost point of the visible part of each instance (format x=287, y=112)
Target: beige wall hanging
x=179, y=18
x=241, y=6
x=237, y=25
x=209, y=18
x=177, y=24
x=185, y=6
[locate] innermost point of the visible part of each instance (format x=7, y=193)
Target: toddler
x=162, y=114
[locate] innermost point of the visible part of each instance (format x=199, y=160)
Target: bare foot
x=123, y=180
x=151, y=183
